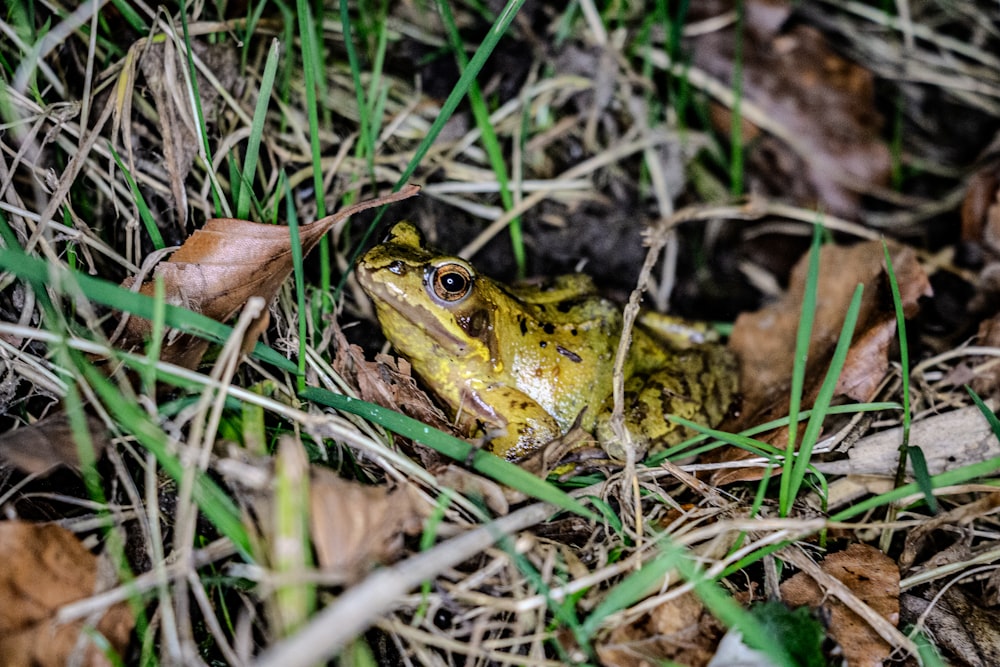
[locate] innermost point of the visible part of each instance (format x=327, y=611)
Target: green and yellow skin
x=521, y=364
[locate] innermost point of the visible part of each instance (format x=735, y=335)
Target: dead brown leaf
x=823, y=105
x=981, y=207
x=225, y=263
x=389, y=382
x=46, y=567
x=355, y=527
x=679, y=631
x=42, y=447
x=874, y=578
x=764, y=341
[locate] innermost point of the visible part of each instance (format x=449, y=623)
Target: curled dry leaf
x=874, y=578
x=355, y=527
x=46, y=567
x=47, y=444
x=764, y=341
x=389, y=382
x=821, y=105
x=222, y=265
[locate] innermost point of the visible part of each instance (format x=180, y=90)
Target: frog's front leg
x=524, y=426
x=700, y=384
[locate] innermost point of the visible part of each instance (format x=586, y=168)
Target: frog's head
x=430, y=305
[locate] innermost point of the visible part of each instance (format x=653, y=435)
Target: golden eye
x=451, y=282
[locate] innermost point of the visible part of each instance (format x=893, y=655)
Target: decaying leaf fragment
x=44, y=568
x=42, y=447
x=225, y=263
x=388, y=381
x=874, y=578
x=764, y=341
x=355, y=527
x=680, y=631
x=822, y=145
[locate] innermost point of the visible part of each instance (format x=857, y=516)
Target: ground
x=203, y=453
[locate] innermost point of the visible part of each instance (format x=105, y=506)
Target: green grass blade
x=459, y=450
x=367, y=140
x=462, y=86
x=312, y=69
x=915, y=454
x=157, y=331
x=144, y=213
x=684, y=448
x=947, y=478
x=802, y=338
x=253, y=18
x=14, y=254
x=76, y=412
x=990, y=416
x=640, y=583
x=447, y=109
x=133, y=17
x=256, y=132
x=300, y=283
x=755, y=447
x=929, y=656
x=291, y=552
x=632, y=588
x=815, y=424
x=922, y=476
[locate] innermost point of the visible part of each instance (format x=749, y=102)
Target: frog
x=520, y=365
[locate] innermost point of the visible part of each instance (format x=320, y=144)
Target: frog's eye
x=450, y=282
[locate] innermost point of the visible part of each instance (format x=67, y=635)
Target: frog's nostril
x=397, y=267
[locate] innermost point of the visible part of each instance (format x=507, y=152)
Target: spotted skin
x=522, y=364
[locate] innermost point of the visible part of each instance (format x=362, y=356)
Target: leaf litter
x=45, y=568
x=815, y=134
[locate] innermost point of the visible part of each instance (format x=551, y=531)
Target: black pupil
x=454, y=282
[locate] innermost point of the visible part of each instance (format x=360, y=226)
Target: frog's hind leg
x=699, y=385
